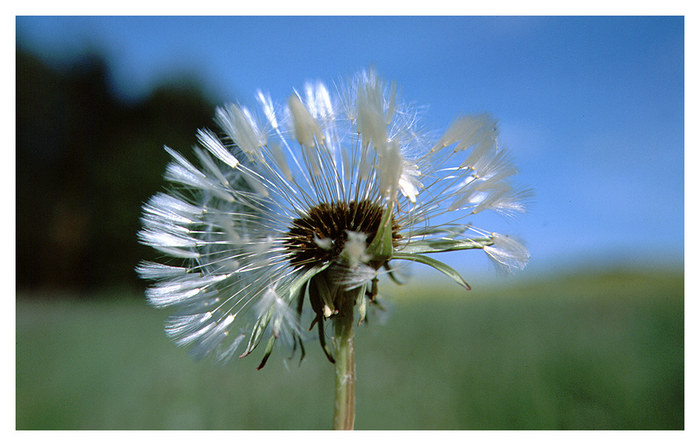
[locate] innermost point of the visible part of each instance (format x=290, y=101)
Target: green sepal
x=258, y=331
x=322, y=340
x=320, y=296
x=268, y=351
x=298, y=283
x=382, y=246
x=392, y=276
x=298, y=341
x=264, y=320
x=444, y=245
x=443, y=268
x=450, y=230
x=362, y=309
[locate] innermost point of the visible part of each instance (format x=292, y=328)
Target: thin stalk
x=344, y=412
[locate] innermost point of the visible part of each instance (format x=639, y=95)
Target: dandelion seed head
x=296, y=208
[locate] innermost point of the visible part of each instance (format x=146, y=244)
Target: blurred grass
x=587, y=351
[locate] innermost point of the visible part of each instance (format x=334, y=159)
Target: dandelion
x=296, y=210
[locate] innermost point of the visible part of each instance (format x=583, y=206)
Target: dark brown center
x=320, y=235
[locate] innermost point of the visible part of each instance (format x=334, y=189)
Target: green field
x=590, y=351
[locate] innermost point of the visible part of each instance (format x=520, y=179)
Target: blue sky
x=592, y=108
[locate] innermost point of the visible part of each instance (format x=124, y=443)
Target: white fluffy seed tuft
x=356, y=248
x=507, y=253
x=306, y=129
x=240, y=126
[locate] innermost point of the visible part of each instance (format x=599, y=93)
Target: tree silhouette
x=86, y=161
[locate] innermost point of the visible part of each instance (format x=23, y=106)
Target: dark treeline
x=85, y=163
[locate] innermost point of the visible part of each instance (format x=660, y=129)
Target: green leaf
x=443, y=268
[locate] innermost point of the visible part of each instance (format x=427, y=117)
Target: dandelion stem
x=344, y=413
